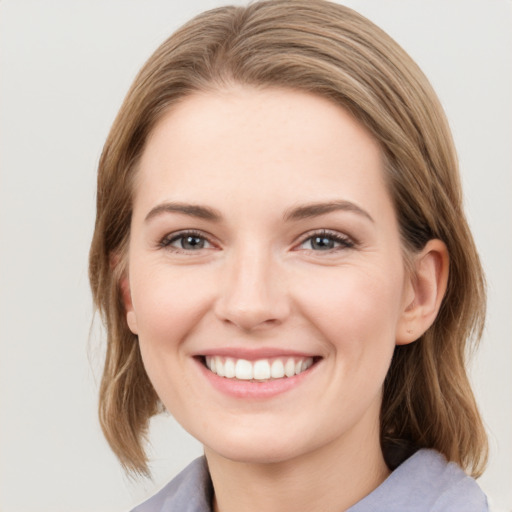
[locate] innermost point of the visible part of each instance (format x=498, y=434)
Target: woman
x=282, y=262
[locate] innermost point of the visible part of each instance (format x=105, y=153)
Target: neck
x=331, y=479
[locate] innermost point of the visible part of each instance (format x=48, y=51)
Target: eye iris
x=192, y=242
x=322, y=243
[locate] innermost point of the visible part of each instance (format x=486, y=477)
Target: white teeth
x=229, y=368
x=261, y=370
x=289, y=367
x=277, y=369
x=219, y=364
x=243, y=370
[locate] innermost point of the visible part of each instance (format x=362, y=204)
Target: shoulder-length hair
x=329, y=50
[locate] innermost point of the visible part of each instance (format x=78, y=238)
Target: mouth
x=261, y=370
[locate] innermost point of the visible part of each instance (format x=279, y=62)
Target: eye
x=326, y=241
x=185, y=241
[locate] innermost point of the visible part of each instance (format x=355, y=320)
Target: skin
x=256, y=279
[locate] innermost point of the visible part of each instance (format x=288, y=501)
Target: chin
x=260, y=447
x=254, y=454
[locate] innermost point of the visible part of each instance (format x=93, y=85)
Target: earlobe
x=118, y=264
x=426, y=289
x=126, y=296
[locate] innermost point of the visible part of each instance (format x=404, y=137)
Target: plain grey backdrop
x=65, y=67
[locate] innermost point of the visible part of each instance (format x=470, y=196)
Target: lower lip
x=251, y=389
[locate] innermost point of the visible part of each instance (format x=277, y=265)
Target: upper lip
x=254, y=354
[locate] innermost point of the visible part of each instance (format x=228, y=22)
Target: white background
x=65, y=67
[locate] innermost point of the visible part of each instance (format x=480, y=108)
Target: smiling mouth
x=261, y=370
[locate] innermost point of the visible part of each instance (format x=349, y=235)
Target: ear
x=131, y=319
x=424, y=291
x=119, y=266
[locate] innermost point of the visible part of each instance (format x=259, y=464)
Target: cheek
x=168, y=304
x=357, y=310
x=355, y=315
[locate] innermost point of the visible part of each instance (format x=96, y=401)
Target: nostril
x=251, y=295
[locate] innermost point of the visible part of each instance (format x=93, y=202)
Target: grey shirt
x=423, y=483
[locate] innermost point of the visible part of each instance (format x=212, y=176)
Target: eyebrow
x=317, y=209
x=192, y=210
x=297, y=213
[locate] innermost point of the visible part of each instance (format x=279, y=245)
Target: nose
x=252, y=294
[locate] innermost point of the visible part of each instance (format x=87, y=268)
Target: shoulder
x=425, y=482
x=190, y=491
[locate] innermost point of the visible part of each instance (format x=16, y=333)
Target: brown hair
x=329, y=50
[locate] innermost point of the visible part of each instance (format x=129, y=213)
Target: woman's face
x=266, y=281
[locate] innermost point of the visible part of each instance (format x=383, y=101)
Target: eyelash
x=343, y=241
x=168, y=240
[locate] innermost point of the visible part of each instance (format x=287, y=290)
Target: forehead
x=266, y=142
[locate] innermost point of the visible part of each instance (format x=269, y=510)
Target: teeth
x=277, y=369
x=260, y=370
x=243, y=370
x=289, y=367
x=229, y=368
x=220, y=367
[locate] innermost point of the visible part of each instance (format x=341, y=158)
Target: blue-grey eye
x=190, y=242
x=326, y=242
x=185, y=241
x=322, y=243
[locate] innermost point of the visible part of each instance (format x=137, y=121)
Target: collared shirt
x=423, y=483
